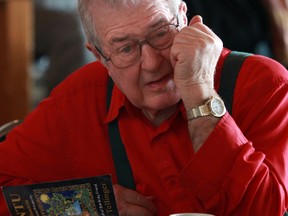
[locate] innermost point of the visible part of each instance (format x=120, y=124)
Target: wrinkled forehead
x=124, y=3
x=105, y=11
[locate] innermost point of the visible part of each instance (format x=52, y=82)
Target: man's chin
x=162, y=102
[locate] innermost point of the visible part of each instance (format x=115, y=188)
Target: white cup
x=191, y=214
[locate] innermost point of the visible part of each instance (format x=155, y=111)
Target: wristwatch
x=213, y=107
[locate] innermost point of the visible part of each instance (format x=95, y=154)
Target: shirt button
x=164, y=162
x=172, y=182
x=156, y=139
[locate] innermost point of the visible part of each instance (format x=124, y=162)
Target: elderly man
x=186, y=152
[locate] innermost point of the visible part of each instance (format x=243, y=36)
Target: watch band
x=196, y=112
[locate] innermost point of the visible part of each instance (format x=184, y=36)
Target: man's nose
x=150, y=57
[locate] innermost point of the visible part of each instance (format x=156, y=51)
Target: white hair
x=84, y=7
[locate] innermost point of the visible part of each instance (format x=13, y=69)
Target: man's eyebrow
x=128, y=37
x=120, y=39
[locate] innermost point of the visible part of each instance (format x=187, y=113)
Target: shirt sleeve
x=30, y=152
x=242, y=167
x=51, y=144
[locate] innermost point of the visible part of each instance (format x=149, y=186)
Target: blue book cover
x=92, y=196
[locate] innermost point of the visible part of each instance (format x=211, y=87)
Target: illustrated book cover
x=92, y=196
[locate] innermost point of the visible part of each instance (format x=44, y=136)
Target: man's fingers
x=131, y=209
x=129, y=199
x=196, y=19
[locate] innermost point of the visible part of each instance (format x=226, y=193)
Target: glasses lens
x=126, y=55
x=162, y=37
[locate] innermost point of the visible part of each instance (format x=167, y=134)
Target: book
x=91, y=196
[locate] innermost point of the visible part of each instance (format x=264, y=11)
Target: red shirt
x=242, y=168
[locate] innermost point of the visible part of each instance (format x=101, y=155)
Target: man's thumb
x=196, y=19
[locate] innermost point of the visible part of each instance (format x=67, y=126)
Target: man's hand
x=194, y=55
x=130, y=202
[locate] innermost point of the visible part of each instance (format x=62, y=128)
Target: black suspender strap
x=121, y=162
x=231, y=68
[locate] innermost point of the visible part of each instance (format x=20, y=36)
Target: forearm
x=228, y=173
x=200, y=128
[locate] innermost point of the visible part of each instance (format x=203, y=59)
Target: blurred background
x=58, y=45
x=41, y=42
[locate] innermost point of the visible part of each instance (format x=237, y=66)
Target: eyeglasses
x=159, y=39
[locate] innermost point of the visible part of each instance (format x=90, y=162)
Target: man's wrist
x=214, y=106
x=196, y=96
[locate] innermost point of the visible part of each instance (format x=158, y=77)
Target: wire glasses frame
x=127, y=55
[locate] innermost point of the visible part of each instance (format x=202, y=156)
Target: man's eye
x=125, y=49
x=162, y=32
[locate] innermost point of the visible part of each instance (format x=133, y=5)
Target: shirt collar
x=119, y=101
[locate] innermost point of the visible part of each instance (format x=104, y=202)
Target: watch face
x=218, y=107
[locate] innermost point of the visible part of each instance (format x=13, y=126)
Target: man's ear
x=92, y=49
x=183, y=13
